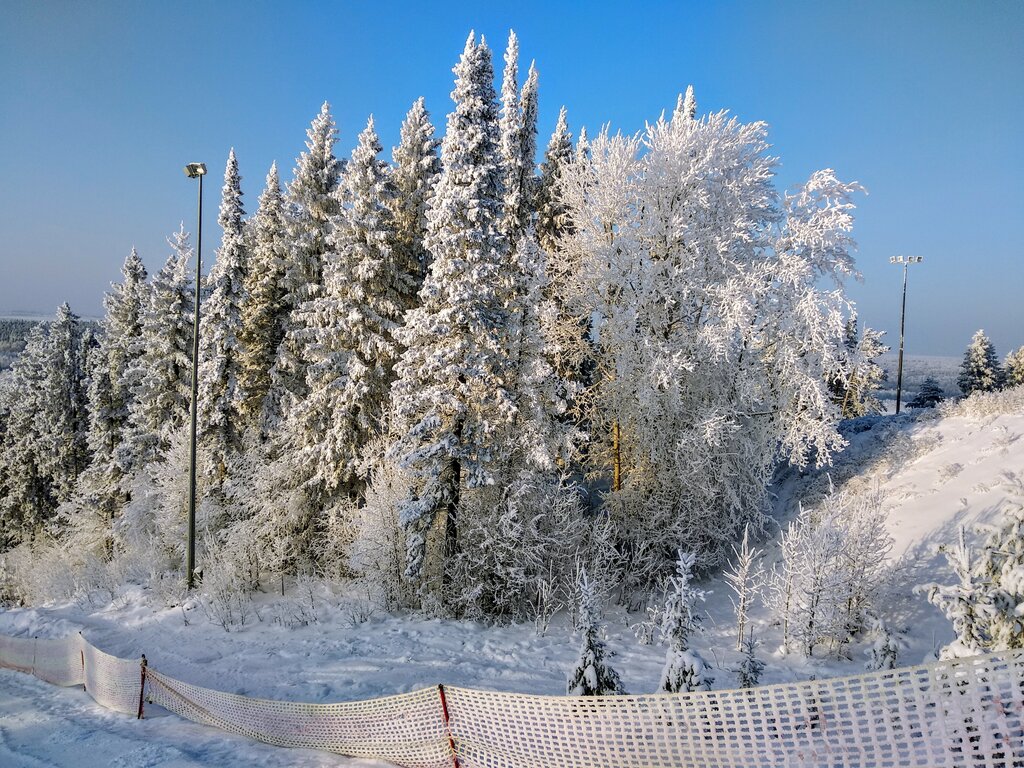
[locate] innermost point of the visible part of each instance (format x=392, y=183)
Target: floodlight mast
x=193, y=171
x=906, y=261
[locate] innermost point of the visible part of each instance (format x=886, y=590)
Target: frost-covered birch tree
x=712, y=327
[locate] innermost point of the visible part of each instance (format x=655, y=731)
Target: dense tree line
x=455, y=374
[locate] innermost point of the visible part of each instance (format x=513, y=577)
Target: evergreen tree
x=592, y=676
x=220, y=358
x=351, y=352
x=518, y=140
x=1014, y=368
x=264, y=314
x=416, y=170
x=980, y=370
x=929, y=396
x=165, y=365
x=311, y=203
x=552, y=216
x=749, y=673
x=27, y=501
x=451, y=392
x=63, y=416
x=684, y=670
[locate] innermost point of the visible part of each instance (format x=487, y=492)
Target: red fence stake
x=81, y=654
x=447, y=726
x=142, y=686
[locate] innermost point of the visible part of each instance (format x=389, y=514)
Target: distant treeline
x=13, y=333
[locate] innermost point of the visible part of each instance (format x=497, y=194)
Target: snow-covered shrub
x=929, y=395
x=42, y=573
x=592, y=675
x=684, y=670
x=834, y=563
x=986, y=606
x=225, y=596
x=748, y=674
x=983, y=404
x=885, y=650
x=520, y=548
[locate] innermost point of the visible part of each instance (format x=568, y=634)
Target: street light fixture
x=193, y=171
x=906, y=261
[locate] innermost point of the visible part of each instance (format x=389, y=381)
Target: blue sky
x=101, y=104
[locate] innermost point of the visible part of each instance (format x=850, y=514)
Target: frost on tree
x=220, y=358
x=715, y=316
x=163, y=399
x=684, y=670
x=265, y=312
x=980, y=370
x=986, y=606
x=518, y=139
x=451, y=394
x=350, y=348
x=1014, y=368
x=415, y=170
x=592, y=675
x=854, y=385
x=311, y=203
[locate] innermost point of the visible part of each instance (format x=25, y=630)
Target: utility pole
x=906, y=261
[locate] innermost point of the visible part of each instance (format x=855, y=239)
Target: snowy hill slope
x=935, y=470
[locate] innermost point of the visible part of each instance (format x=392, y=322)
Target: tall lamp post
x=906, y=261
x=193, y=171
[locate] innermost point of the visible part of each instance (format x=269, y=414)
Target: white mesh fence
x=968, y=712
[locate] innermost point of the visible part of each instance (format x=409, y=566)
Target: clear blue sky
x=101, y=103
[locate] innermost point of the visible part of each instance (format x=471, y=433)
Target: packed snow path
x=42, y=726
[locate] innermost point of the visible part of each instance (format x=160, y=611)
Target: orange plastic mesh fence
x=967, y=712
x=407, y=729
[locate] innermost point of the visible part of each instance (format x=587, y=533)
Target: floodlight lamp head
x=895, y=259
x=194, y=170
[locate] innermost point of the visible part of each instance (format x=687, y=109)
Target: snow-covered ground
x=936, y=473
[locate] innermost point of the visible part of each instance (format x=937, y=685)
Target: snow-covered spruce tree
x=684, y=670
x=748, y=675
x=929, y=396
x=980, y=370
x=163, y=399
x=987, y=606
x=552, y=216
x=27, y=500
x=220, y=353
x=264, y=313
x=311, y=203
x=415, y=170
x=712, y=328
x=745, y=578
x=884, y=652
x=1013, y=366
x=350, y=350
x=592, y=675
x=63, y=417
x=450, y=394
x=518, y=131
x=962, y=603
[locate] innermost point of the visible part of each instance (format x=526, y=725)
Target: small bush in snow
x=833, y=567
x=884, y=652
